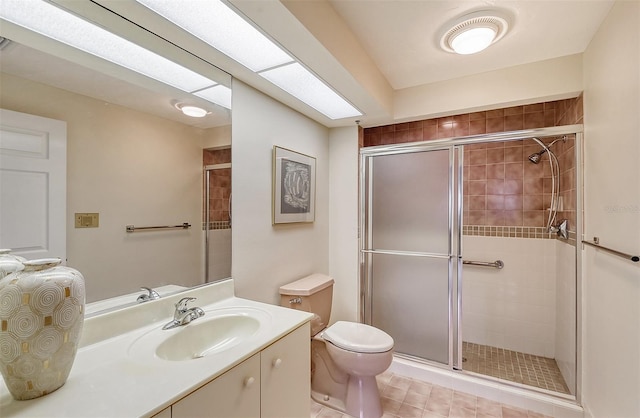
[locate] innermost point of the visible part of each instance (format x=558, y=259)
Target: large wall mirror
x=132, y=157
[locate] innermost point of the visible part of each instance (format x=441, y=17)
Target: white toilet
x=345, y=357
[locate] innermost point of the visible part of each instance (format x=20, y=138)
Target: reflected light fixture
x=474, y=32
x=223, y=27
x=56, y=23
x=190, y=110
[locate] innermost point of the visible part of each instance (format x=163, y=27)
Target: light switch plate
x=87, y=220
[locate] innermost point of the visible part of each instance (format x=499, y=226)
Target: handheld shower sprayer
x=535, y=157
x=560, y=229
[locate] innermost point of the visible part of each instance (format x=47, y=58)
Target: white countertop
x=107, y=381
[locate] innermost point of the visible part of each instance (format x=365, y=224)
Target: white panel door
x=33, y=185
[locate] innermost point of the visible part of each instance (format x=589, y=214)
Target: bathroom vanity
x=241, y=359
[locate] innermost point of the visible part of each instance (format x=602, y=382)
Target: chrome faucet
x=183, y=315
x=152, y=295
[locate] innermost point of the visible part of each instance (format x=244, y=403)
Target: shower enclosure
x=441, y=218
x=217, y=214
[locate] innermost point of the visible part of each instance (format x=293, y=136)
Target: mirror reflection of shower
x=559, y=228
x=217, y=213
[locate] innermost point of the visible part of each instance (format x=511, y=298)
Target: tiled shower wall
x=219, y=188
x=505, y=194
x=219, y=257
x=530, y=304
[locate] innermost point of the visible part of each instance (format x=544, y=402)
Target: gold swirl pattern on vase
x=9, y=347
x=10, y=300
x=47, y=341
x=46, y=298
x=41, y=318
x=23, y=323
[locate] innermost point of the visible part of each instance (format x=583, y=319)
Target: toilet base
x=326, y=400
x=363, y=398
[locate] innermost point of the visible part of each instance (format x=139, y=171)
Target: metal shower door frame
x=453, y=246
x=455, y=329
x=206, y=172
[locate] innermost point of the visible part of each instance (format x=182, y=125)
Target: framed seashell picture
x=294, y=186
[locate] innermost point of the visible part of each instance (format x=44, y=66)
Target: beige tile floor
x=408, y=398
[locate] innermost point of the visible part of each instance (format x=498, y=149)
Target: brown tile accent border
x=213, y=225
x=501, y=187
x=537, y=115
x=507, y=231
x=220, y=185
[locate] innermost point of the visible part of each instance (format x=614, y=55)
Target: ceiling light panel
x=218, y=94
x=305, y=86
x=222, y=28
x=48, y=20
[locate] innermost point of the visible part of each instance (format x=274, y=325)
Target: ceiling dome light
x=474, y=32
x=193, y=111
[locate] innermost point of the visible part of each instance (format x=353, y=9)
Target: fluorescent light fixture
x=221, y=27
x=46, y=19
x=302, y=84
x=217, y=94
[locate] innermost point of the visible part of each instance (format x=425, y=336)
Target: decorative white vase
x=41, y=318
x=10, y=262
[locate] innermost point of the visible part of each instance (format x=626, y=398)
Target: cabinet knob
x=248, y=382
x=277, y=363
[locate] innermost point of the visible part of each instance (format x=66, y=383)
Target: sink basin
x=219, y=330
x=208, y=337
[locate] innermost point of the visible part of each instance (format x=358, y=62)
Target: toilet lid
x=357, y=337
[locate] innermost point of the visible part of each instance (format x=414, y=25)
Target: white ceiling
x=395, y=41
x=402, y=36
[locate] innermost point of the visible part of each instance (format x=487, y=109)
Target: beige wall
x=132, y=168
x=218, y=137
x=611, y=300
x=343, y=215
x=266, y=256
x=554, y=79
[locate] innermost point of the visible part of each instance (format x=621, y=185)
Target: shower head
x=535, y=157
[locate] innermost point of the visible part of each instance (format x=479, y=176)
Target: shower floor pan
x=540, y=372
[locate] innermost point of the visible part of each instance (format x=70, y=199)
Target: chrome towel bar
x=495, y=264
x=596, y=243
x=131, y=228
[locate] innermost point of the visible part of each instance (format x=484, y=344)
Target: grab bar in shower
x=596, y=243
x=495, y=264
x=131, y=228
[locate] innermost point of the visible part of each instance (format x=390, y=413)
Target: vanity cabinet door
x=286, y=376
x=234, y=394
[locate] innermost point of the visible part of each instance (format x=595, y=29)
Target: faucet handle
x=152, y=295
x=181, y=306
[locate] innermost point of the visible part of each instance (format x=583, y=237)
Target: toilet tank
x=313, y=294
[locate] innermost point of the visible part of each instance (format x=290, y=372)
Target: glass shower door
x=408, y=249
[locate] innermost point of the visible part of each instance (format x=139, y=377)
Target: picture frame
x=294, y=187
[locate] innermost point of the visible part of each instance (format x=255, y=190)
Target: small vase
x=10, y=263
x=41, y=318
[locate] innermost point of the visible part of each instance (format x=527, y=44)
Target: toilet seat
x=360, y=338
